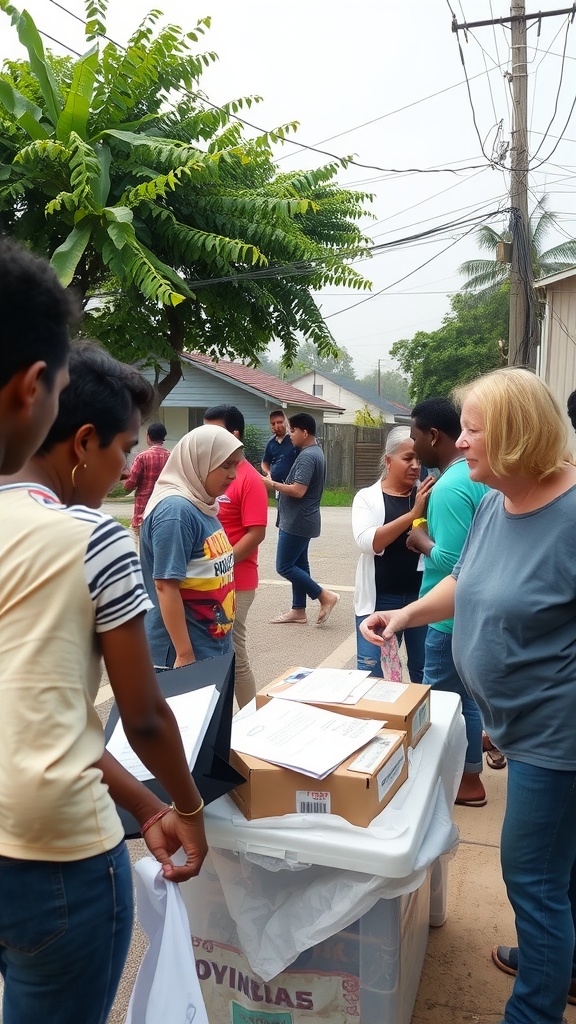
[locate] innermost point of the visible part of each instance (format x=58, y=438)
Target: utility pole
x=524, y=327
x=523, y=333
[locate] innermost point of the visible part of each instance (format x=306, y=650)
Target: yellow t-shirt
x=66, y=574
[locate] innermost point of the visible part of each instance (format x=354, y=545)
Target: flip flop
x=282, y=619
x=324, y=614
x=481, y=802
x=495, y=758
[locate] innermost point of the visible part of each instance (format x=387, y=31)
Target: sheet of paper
x=327, y=684
x=192, y=712
x=373, y=754
x=309, y=740
x=385, y=691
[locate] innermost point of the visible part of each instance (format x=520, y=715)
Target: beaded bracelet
x=191, y=814
x=152, y=821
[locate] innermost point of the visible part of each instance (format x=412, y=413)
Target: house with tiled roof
x=352, y=396
x=206, y=382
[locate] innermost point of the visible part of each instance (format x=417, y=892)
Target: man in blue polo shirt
x=280, y=453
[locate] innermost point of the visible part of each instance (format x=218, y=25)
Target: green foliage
x=255, y=441
x=394, y=387
x=473, y=339
x=179, y=232
x=306, y=357
x=364, y=418
x=486, y=276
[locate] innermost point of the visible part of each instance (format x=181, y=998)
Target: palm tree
x=486, y=276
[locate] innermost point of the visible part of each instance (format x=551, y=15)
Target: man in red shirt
x=243, y=513
x=145, y=471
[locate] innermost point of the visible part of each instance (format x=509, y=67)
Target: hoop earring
x=74, y=471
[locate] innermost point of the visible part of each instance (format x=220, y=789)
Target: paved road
x=273, y=649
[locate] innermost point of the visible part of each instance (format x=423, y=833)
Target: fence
x=352, y=453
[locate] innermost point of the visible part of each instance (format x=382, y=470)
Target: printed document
x=308, y=740
x=192, y=712
x=320, y=685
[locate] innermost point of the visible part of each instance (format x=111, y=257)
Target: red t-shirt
x=244, y=504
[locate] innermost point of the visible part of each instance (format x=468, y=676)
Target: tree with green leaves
x=394, y=387
x=179, y=233
x=308, y=357
x=473, y=339
x=486, y=276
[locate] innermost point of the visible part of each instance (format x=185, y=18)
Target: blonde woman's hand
x=380, y=626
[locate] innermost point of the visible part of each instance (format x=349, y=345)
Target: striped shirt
x=66, y=575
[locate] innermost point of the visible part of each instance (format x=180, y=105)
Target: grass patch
x=332, y=497
x=337, y=496
x=123, y=521
x=119, y=492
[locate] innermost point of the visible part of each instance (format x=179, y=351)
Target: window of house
x=318, y=390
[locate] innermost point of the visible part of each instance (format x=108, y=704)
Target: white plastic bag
x=167, y=990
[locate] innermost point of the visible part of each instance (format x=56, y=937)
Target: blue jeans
x=292, y=563
x=65, y=931
x=440, y=672
x=538, y=854
x=368, y=656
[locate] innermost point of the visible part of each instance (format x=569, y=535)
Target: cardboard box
x=409, y=712
x=357, y=796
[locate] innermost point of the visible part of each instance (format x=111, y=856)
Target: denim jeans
x=292, y=563
x=538, y=854
x=368, y=656
x=64, y=936
x=440, y=672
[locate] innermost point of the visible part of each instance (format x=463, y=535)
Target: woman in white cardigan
x=387, y=575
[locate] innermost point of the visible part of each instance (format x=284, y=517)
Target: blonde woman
x=388, y=574
x=513, y=595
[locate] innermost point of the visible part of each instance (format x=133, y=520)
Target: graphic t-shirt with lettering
x=178, y=542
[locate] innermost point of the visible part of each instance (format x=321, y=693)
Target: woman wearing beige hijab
x=186, y=557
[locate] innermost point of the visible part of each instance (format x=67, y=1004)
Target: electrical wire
x=568, y=23
x=506, y=96
x=400, y=279
x=346, y=161
x=463, y=62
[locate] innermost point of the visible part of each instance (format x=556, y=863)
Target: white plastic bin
x=368, y=972
x=297, y=919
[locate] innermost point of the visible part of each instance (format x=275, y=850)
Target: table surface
x=389, y=846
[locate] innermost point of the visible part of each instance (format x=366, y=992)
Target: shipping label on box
x=358, y=790
x=404, y=706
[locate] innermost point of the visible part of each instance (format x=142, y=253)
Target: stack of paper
x=192, y=712
x=326, y=685
x=306, y=739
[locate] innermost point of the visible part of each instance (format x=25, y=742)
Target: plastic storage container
x=368, y=972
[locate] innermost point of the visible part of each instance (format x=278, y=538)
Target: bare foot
x=295, y=615
x=328, y=600
x=471, y=792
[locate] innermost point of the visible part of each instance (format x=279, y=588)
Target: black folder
x=213, y=774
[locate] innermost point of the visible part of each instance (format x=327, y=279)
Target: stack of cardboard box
x=361, y=787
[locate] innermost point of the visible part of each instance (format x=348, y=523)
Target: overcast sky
x=382, y=81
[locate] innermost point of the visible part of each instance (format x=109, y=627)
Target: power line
x=469, y=91
x=400, y=279
x=345, y=161
x=568, y=23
